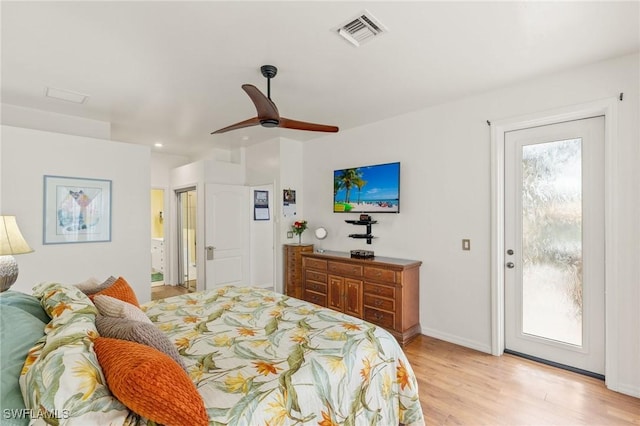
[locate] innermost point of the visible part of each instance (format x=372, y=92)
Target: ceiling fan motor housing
x=269, y=122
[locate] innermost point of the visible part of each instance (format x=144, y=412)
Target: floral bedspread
x=262, y=358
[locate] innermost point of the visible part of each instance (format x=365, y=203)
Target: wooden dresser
x=293, y=268
x=384, y=291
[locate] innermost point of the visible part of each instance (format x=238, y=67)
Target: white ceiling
x=171, y=71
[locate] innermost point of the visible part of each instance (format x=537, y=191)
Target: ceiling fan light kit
x=268, y=115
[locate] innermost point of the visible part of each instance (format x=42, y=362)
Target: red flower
x=299, y=226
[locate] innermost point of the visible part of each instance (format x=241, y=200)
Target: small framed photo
x=76, y=210
x=289, y=196
x=260, y=205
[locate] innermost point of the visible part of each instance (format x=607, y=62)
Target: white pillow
x=112, y=307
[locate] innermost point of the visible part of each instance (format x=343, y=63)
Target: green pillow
x=26, y=302
x=21, y=326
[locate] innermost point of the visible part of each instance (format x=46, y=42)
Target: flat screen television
x=367, y=189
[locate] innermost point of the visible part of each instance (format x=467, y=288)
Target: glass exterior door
x=554, y=240
x=552, y=258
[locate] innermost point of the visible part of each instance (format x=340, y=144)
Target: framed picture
x=289, y=202
x=260, y=205
x=76, y=210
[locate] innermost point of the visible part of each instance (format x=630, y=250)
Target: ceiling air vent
x=65, y=95
x=361, y=29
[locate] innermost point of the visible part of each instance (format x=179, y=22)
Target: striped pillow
x=140, y=332
x=112, y=307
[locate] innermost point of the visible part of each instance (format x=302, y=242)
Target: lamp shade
x=11, y=240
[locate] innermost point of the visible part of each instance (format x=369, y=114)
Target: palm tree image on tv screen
x=368, y=189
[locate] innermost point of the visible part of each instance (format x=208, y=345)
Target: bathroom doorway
x=157, y=238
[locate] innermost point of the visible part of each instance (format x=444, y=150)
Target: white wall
x=27, y=155
x=262, y=170
x=161, y=166
x=445, y=197
x=1, y=209
x=263, y=162
x=280, y=161
x=262, y=233
x=17, y=116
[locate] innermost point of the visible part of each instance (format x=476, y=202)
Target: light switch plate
x=289, y=234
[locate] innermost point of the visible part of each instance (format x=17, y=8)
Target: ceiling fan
x=268, y=115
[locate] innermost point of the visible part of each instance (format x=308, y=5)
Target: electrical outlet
x=289, y=234
x=466, y=244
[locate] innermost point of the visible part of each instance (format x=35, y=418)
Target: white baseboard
x=630, y=390
x=482, y=347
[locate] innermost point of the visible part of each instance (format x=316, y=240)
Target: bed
x=237, y=356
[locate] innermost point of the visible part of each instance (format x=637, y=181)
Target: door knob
x=509, y=252
x=510, y=265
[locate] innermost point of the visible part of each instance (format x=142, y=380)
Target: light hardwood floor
x=461, y=386
x=162, y=291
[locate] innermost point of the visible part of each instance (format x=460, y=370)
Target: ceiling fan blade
x=246, y=123
x=287, y=123
x=264, y=106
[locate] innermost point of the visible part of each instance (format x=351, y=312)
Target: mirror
x=321, y=233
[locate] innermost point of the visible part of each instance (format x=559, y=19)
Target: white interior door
x=554, y=242
x=226, y=235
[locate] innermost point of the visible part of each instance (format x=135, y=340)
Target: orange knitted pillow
x=150, y=383
x=120, y=290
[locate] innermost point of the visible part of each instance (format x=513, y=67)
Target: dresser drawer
x=312, y=275
x=379, y=303
x=317, y=298
x=345, y=269
x=381, y=318
x=308, y=262
x=316, y=286
x=379, y=290
x=380, y=274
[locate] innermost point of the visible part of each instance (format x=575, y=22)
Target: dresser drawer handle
x=314, y=298
x=377, y=316
x=378, y=303
x=378, y=274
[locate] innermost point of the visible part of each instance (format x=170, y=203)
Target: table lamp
x=11, y=242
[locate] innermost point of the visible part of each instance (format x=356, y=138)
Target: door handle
x=510, y=265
